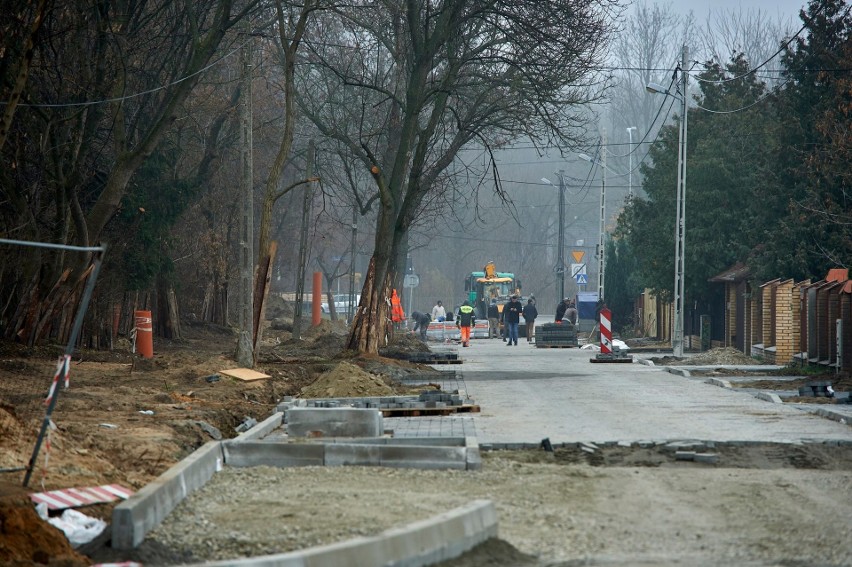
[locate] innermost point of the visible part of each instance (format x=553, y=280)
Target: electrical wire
x=784, y=46
x=741, y=109
x=134, y=95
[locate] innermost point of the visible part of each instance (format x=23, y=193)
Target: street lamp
x=680, y=219
x=601, y=250
x=630, y=157
x=560, y=266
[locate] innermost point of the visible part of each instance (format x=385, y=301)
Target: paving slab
x=528, y=394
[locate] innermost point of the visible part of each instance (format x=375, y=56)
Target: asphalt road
x=528, y=394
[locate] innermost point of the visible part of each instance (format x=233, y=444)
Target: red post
x=316, y=296
x=606, y=331
x=144, y=334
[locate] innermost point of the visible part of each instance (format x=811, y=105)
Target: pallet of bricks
x=556, y=335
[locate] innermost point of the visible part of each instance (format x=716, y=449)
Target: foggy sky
x=774, y=7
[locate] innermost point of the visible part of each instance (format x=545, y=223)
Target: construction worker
x=464, y=321
x=421, y=323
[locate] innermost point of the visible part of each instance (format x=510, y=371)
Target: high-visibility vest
x=397, y=314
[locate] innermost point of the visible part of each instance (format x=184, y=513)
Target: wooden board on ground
x=246, y=374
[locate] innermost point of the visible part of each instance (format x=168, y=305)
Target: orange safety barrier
x=144, y=333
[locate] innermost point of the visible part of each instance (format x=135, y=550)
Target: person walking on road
x=438, y=312
x=465, y=319
x=421, y=323
x=493, y=320
x=530, y=313
x=511, y=319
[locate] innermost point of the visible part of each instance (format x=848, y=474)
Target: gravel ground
x=550, y=506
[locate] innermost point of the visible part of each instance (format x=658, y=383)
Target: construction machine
x=482, y=287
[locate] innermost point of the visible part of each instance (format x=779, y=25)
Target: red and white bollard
x=606, y=331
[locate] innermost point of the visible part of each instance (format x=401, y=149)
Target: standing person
x=511, y=319
x=493, y=320
x=530, y=313
x=438, y=312
x=561, y=308
x=421, y=323
x=464, y=321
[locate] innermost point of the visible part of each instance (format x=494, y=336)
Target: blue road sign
x=582, y=279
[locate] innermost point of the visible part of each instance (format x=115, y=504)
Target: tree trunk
x=370, y=324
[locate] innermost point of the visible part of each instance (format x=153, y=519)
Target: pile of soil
x=347, y=381
x=721, y=355
x=26, y=539
x=403, y=344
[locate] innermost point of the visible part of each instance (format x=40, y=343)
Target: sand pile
x=346, y=381
x=726, y=355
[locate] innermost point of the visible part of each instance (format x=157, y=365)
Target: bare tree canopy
x=404, y=85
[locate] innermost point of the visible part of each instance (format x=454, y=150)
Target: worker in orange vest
x=397, y=315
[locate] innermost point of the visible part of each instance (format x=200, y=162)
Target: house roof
x=837, y=275
x=736, y=273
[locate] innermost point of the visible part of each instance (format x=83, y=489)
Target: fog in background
x=462, y=233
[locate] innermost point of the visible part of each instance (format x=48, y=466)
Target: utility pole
x=303, y=243
x=630, y=157
x=561, y=239
x=680, y=222
x=601, y=240
x=246, y=307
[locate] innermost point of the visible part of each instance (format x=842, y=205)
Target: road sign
x=411, y=280
x=582, y=279
x=577, y=269
x=558, y=269
x=577, y=255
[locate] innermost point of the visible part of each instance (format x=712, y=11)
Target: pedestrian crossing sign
x=582, y=279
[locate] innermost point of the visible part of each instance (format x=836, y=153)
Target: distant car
x=341, y=304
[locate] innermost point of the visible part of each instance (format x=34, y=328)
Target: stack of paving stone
x=435, y=399
x=819, y=389
x=552, y=335
x=426, y=399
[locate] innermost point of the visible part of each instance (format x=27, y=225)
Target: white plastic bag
x=77, y=527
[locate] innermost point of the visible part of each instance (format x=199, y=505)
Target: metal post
x=601, y=243
x=680, y=220
x=630, y=158
x=561, y=247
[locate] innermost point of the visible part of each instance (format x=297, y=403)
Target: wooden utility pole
x=303, y=243
x=245, y=356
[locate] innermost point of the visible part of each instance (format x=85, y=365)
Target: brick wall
x=784, y=330
x=730, y=313
x=822, y=353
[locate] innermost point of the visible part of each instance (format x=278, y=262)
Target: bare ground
x=558, y=506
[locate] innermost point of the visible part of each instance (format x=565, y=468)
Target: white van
x=341, y=303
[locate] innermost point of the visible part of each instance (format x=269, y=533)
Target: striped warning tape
x=62, y=369
x=76, y=497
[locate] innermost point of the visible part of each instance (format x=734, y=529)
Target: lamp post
x=630, y=157
x=680, y=219
x=560, y=264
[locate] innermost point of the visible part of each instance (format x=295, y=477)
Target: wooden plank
x=246, y=374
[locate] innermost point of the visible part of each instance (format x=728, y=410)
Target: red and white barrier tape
x=64, y=366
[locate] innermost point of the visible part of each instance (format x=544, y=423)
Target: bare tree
x=404, y=85
x=104, y=89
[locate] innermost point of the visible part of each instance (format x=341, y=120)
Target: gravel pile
x=676, y=514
